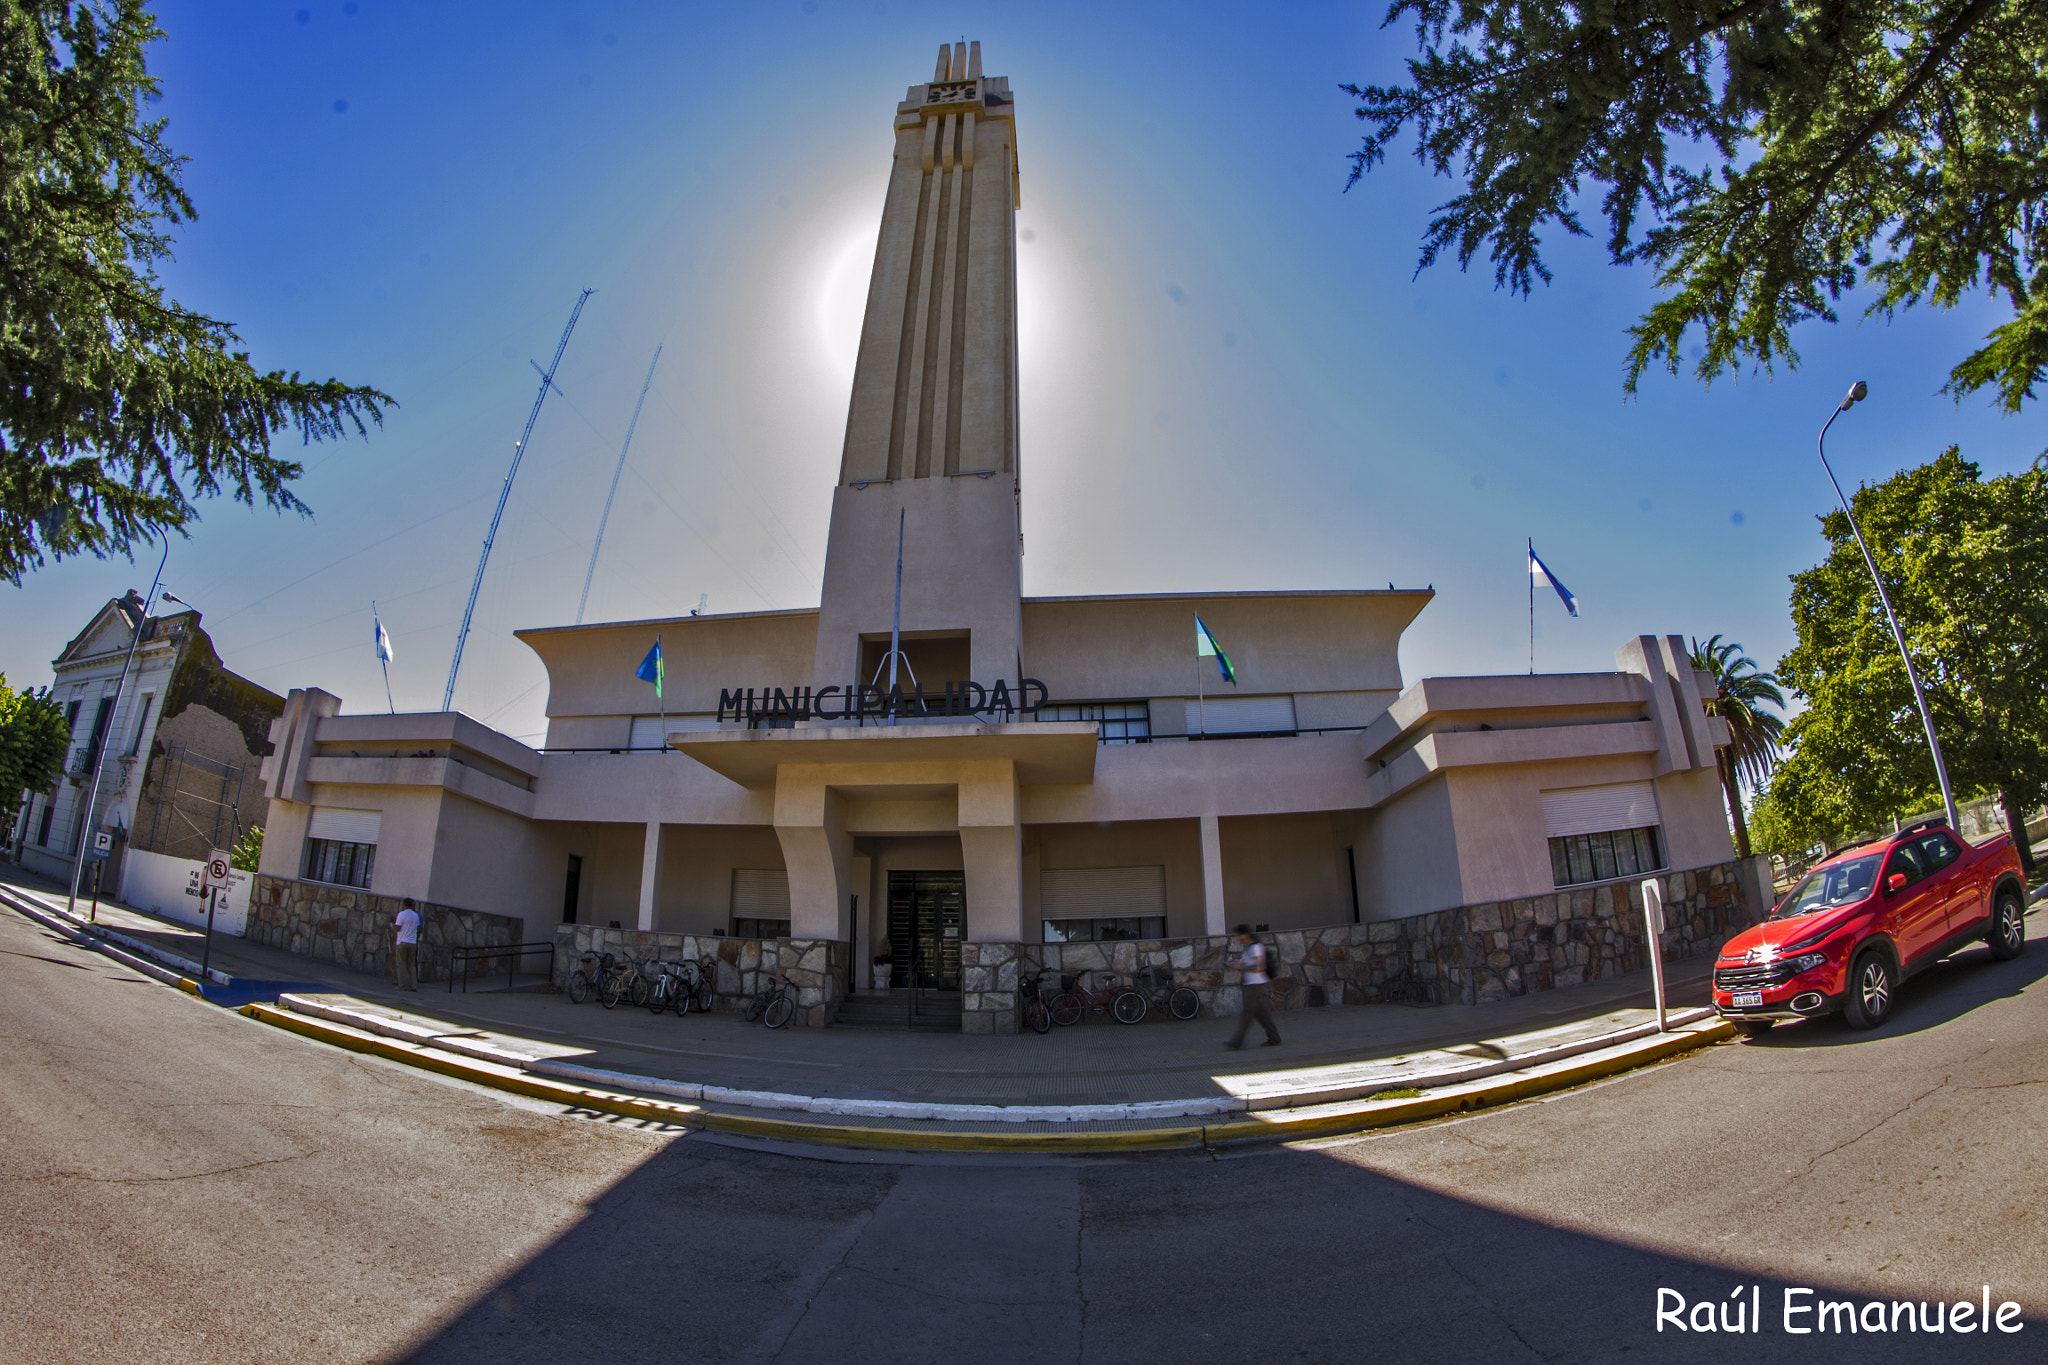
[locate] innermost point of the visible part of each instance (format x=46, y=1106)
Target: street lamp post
x=99, y=762
x=1857, y=392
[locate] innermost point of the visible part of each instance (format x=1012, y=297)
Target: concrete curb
x=185, y=966
x=1207, y=1106
x=85, y=938
x=1269, y=1126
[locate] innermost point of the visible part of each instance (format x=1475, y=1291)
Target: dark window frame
x=335, y=862
x=1605, y=856
x=1131, y=725
x=1145, y=927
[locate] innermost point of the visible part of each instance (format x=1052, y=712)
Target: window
x=1105, y=930
x=341, y=845
x=1906, y=859
x=1116, y=722
x=760, y=902
x=1939, y=851
x=339, y=863
x=43, y=830
x=1576, y=858
x=760, y=928
x=142, y=725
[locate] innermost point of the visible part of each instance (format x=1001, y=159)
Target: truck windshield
x=1837, y=884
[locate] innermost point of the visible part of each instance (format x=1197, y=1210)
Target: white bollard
x=1653, y=923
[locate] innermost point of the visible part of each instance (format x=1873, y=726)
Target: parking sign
x=215, y=872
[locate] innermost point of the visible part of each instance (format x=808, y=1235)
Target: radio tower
x=599, y=543
x=547, y=381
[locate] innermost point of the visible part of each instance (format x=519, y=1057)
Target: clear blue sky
x=1232, y=378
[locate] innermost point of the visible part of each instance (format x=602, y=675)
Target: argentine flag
x=1207, y=648
x=651, y=668
x=383, y=639
x=1541, y=576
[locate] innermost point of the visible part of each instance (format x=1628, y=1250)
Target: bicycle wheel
x=682, y=1000
x=579, y=986
x=638, y=989
x=613, y=991
x=1067, y=1008
x=1129, y=1007
x=755, y=1006
x=779, y=1011
x=1184, y=1003
x=657, y=998
x=1037, y=1015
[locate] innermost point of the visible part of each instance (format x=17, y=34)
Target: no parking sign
x=215, y=873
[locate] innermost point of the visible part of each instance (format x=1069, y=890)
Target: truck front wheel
x=1872, y=984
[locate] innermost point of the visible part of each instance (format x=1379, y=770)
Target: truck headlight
x=1806, y=962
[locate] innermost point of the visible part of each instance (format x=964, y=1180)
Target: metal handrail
x=512, y=952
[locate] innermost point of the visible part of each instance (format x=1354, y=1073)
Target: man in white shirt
x=406, y=949
x=1257, y=962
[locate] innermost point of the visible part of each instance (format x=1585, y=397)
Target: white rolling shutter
x=344, y=826
x=1596, y=810
x=1101, y=892
x=1241, y=716
x=760, y=893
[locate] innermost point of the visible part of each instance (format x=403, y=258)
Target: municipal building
x=1020, y=780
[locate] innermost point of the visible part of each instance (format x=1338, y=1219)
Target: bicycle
x=1121, y=1003
x=627, y=982
x=1156, y=984
x=671, y=988
x=703, y=977
x=1037, y=1013
x=589, y=977
x=774, y=1005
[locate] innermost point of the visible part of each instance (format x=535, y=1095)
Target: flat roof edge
x=1210, y=596
x=525, y=631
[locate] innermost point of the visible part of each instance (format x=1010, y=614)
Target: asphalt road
x=182, y=1184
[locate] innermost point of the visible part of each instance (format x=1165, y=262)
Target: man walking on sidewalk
x=1255, y=959
x=405, y=953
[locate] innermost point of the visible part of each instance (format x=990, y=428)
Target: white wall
x=170, y=887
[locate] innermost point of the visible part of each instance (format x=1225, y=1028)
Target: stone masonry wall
x=353, y=928
x=816, y=967
x=1472, y=954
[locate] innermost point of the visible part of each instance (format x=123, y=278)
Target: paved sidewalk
x=1092, y=1063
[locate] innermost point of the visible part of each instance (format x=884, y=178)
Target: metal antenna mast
x=547, y=381
x=599, y=544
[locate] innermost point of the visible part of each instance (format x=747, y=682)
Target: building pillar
x=810, y=824
x=650, y=876
x=992, y=851
x=1215, y=918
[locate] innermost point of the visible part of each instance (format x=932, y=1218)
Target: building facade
x=933, y=768
x=178, y=746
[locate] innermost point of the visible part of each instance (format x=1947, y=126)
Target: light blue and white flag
x=383, y=640
x=1540, y=575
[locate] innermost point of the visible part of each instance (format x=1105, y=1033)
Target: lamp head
x=173, y=597
x=1858, y=391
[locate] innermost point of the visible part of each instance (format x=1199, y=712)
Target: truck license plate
x=1749, y=997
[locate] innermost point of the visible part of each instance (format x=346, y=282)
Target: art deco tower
x=931, y=431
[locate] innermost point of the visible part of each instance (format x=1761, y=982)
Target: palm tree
x=1740, y=691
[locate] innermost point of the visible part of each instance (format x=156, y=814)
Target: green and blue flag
x=651, y=668
x=1207, y=648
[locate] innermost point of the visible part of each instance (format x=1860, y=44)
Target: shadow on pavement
x=718, y=1254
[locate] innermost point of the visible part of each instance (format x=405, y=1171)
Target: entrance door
x=926, y=912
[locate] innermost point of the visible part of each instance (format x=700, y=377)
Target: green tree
x=247, y=853
x=1741, y=691
x=1782, y=153
x=117, y=406
x=1966, y=561
x=33, y=741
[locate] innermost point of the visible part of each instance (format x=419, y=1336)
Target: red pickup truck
x=1865, y=920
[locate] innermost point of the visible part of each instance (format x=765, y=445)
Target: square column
x=992, y=852
x=650, y=875
x=1215, y=919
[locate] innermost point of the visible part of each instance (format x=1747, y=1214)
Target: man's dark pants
x=1254, y=1010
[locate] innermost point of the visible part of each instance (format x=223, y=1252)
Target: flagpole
x=1201, y=700
x=896, y=615
x=1532, y=603
x=660, y=676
